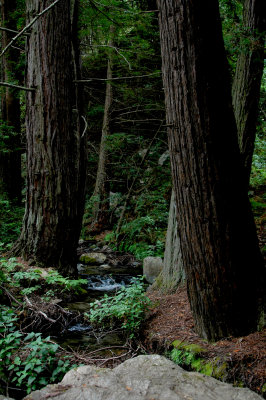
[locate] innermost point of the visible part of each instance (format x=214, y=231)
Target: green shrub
x=27, y=360
x=24, y=279
x=10, y=222
x=126, y=308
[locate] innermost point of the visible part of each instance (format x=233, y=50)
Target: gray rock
x=105, y=266
x=152, y=266
x=5, y=397
x=141, y=378
x=92, y=258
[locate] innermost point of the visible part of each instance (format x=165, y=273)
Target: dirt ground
x=171, y=319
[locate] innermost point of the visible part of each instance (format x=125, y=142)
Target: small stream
x=100, y=282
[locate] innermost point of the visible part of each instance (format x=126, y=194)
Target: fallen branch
x=17, y=87
x=10, y=295
x=38, y=312
x=12, y=31
x=116, y=78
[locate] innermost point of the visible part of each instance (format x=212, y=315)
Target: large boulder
x=141, y=378
x=5, y=397
x=152, y=266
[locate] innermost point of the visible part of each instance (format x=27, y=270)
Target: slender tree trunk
x=173, y=272
x=247, y=81
x=10, y=160
x=55, y=148
x=222, y=261
x=100, y=194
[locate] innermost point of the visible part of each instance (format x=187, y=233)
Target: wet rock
x=5, y=397
x=141, y=378
x=107, y=249
x=92, y=258
x=152, y=266
x=105, y=266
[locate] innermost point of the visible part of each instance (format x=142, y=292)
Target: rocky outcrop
x=141, y=378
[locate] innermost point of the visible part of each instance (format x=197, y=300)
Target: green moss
x=192, y=348
x=185, y=354
x=87, y=260
x=220, y=369
x=207, y=369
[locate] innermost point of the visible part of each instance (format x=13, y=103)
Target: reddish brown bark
x=55, y=147
x=247, y=80
x=218, y=238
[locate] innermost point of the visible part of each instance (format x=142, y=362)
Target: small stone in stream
x=105, y=266
x=92, y=258
x=107, y=249
x=135, y=264
x=80, y=267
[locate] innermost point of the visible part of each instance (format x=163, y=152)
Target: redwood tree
x=55, y=144
x=247, y=80
x=222, y=261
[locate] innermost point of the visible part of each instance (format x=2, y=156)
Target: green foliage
x=7, y=136
x=13, y=275
x=189, y=357
x=258, y=171
x=126, y=308
x=10, y=222
x=54, y=278
x=28, y=360
x=144, y=233
x=231, y=16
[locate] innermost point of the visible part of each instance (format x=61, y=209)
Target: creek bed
x=81, y=336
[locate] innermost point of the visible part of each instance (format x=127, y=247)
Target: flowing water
x=81, y=336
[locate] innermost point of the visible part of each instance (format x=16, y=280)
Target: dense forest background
x=127, y=36
x=115, y=112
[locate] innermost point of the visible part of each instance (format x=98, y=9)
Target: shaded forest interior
x=137, y=128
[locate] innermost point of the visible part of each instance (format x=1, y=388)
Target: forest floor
x=171, y=319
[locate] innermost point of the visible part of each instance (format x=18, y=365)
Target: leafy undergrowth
x=258, y=204
x=126, y=309
x=31, y=281
x=29, y=358
x=170, y=330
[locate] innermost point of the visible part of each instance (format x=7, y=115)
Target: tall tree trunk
x=247, y=80
x=245, y=92
x=173, y=272
x=100, y=194
x=224, y=268
x=10, y=160
x=55, y=148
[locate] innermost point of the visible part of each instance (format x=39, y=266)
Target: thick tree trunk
x=100, y=195
x=173, y=272
x=10, y=160
x=55, y=149
x=247, y=81
x=223, y=264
